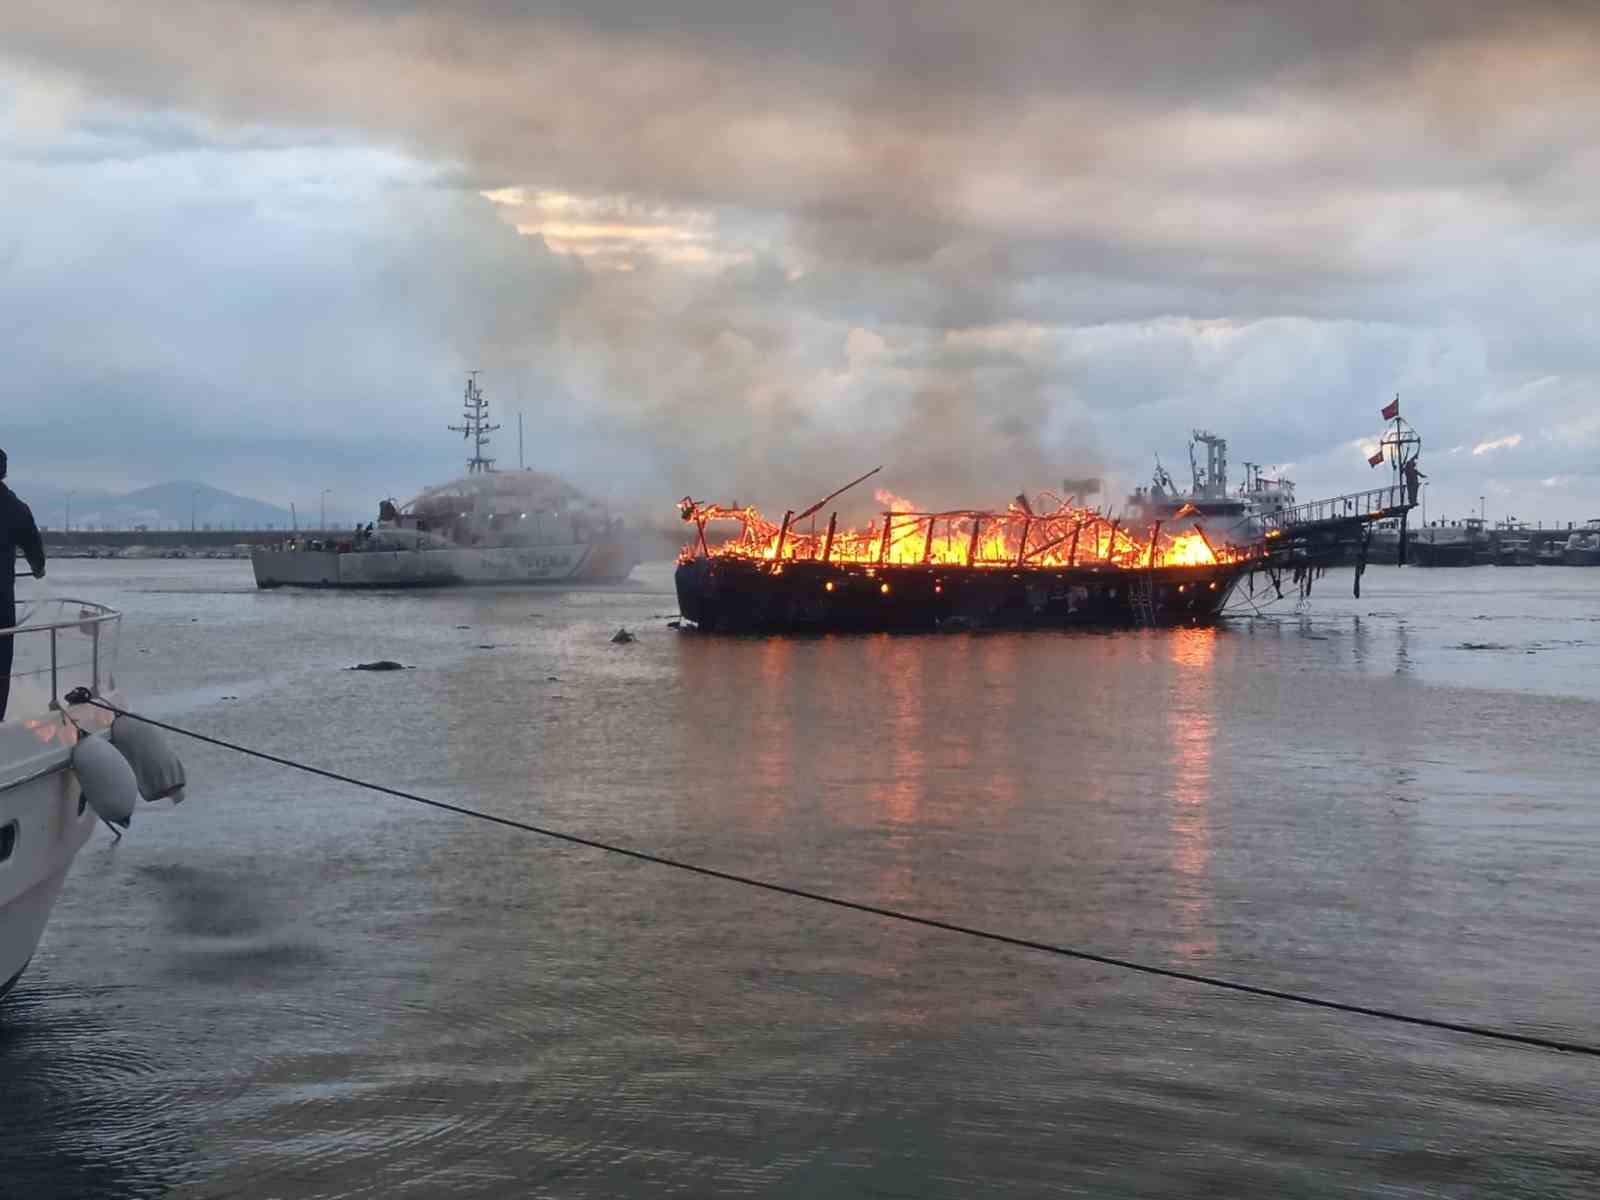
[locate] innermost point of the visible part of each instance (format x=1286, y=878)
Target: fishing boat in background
x=488, y=526
x=1550, y=553
x=1463, y=544
x=1513, y=545
x=1582, y=548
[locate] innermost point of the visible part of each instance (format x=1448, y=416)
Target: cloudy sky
x=746, y=249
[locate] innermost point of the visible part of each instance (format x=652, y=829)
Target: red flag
x=1391, y=411
x=1377, y=459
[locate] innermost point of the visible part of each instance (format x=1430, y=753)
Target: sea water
x=289, y=987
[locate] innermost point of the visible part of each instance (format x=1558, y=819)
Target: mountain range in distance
x=180, y=504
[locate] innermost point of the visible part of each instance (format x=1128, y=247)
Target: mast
x=1212, y=484
x=475, y=425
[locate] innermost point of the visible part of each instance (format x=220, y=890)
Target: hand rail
x=90, y=620
x=1369, y=503
x=104, y=614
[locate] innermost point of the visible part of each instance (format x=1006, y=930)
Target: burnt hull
x=745, y=595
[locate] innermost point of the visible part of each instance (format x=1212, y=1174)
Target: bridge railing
x=1373, y=503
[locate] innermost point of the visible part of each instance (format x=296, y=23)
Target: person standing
x=1413, y=477
x=17, y=532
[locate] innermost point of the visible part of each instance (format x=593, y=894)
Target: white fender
x=156, y=766
x=106, y=779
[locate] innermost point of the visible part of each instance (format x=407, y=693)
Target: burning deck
x=1056, y=566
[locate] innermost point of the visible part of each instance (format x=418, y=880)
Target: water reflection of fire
x=772, y=773
x=52, y=729
x=1191, y=725
x=1058, y=534
x=899, y=797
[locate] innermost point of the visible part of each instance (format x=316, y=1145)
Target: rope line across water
x=1211, y=981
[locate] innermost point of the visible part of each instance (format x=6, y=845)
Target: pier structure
x=172, y=543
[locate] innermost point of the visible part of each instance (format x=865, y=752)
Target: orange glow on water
x=1191, y=729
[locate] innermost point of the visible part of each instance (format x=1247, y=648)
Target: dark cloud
x=1074, y=230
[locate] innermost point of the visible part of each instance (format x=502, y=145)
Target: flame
x=903, y=535
x=1188, y=550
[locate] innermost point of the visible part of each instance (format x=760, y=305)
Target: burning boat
x=1047, y=564
x=1041, y=563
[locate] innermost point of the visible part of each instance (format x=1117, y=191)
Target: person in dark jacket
x=1413, y=477
x=17, y=532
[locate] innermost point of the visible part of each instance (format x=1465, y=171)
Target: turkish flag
x=1391, y=411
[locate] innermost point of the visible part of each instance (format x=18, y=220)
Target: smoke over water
x=727, y=388
x=747, y=251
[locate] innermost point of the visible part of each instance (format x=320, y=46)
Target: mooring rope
x=1212, y=981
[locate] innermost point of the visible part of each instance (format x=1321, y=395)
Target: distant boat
x=1514, y=550
x=1448, y=545
x=488, y=526
x=1583, y=548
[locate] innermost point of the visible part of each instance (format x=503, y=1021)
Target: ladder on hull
x=1142, y=599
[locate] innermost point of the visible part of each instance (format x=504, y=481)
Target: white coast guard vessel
x=487, y=527
x=64, y=763
x=1224, y=517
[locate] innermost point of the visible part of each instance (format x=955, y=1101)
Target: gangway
x=1309, y=537
x=1338, y=514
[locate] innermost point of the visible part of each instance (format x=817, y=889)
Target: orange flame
x=1066, y=536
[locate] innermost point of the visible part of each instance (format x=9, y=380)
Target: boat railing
x=1373, y=503
x=57, y=645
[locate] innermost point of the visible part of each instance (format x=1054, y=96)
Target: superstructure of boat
x=486, y=527
x=65, y=763
x=1238, y=518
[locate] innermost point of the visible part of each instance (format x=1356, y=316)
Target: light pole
x=323, y=527
x=1483, y=510
x=193, y=492
x=70, y=495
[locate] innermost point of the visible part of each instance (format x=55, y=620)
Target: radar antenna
x=475, y=425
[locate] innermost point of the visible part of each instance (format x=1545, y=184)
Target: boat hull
x=47, y=828
x=1443, y=554
x=592, y=562
x=746, y=595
